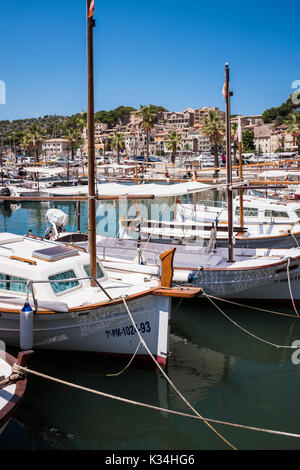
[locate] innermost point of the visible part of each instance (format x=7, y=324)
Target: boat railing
x=30, y=285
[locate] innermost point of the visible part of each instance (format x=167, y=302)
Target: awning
x=157, y=190
x=46, y=171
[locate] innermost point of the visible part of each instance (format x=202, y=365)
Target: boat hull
x=269, y=283
x=11, y=395
x=105, y=329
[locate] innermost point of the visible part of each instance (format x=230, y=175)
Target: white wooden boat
x=70, y=314
x=253, y=274
x=261, y=274
x=257, y=210
x=202, y=234
x=14, y=385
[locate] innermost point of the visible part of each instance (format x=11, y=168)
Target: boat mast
x=228, y=165
x=91, y=140
x=241, y=192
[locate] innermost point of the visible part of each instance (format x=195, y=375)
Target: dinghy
x=12, y=385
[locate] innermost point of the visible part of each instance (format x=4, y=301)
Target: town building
x=55, y=147
x=201, y=113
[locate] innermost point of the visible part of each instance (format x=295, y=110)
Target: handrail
x=23, y=260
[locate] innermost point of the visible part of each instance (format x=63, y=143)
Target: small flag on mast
x=236, y=136
x=224, y=91
x=92, y=9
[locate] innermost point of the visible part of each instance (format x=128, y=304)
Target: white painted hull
x=106, y=330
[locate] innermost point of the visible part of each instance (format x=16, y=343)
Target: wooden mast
x=229, y=165
x=91, y=142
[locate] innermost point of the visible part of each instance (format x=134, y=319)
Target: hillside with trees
x=280, y=113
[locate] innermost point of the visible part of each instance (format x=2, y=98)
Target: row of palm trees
x=213, y=128
x=33, y=138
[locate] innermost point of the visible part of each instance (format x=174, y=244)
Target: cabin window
x=276, y=214
x=298, y=214
x=12, y=286
x=59, y=287
x=248, y=211
x=100, y=273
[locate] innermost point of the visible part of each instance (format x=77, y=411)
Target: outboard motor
x=58, y=220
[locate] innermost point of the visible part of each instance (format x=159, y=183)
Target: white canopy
x=273, y=173
x=47, y=171
x=157, y=190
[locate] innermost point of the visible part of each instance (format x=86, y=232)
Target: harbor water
x=223, y=371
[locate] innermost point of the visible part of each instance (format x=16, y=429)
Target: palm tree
x=148, y=119
x=173, y=143
x=214, y=128
x=34, y=139
x=26, y=143
x=81, y=121
x=118, y=142
x=73, y=137
x=293, y=123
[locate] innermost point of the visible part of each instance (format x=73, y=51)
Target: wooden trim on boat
x=76, y=247
x=181, y=292
x=23, y=260
x=285, y=234
x=10, y=407
x=88, y=307
x=36, y=237
x=167, y=270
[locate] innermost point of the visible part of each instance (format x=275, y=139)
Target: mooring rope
x=294, y=238
x=126, y=367
x=156, y=408
x=170, y=381
x=252, y=307
x=278, y=346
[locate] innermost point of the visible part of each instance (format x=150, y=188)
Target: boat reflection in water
x=223, y=372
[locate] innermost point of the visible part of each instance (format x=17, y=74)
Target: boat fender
x=26, y=327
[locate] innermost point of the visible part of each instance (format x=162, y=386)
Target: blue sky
x=169, y=53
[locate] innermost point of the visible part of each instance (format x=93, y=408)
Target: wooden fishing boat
x=191, y=232
x=262, y=274
x=257, y=210
x=65, y=308
x=13, y=385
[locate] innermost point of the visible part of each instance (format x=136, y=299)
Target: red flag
x=92, y=9
x=224, y=91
